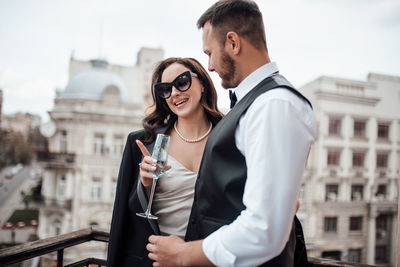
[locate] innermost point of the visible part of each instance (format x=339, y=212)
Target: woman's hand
x=147, y=166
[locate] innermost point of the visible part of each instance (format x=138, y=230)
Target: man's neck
x=253, y=60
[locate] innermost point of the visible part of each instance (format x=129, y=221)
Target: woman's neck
x=193, y=127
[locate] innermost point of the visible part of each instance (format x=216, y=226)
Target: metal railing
x=56, y=157
x=41, y=247
x=58, y=243
x=58, y=203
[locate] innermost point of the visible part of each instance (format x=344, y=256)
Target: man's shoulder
x=282, y=94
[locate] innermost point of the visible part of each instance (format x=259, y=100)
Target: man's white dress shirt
x=274, y=135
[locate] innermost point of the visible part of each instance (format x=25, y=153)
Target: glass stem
x=153, y=187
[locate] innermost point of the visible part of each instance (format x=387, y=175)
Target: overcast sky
x=307, y=38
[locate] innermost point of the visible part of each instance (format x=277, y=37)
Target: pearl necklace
x=193, y=140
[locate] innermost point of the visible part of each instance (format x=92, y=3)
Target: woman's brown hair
x=161, y=114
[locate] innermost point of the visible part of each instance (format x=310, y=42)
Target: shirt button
x=193, y=221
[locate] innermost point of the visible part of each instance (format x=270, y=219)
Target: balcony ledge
x=41, y=247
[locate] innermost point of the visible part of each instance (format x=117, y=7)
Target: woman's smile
x=181, y=102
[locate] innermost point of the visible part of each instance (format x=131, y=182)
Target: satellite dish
x=48, y=129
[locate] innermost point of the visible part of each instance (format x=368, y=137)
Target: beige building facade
x=90, y=121
x=349, y=198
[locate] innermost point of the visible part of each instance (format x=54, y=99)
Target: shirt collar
x=255, y=78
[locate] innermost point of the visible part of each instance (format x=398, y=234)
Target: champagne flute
x=160, y=153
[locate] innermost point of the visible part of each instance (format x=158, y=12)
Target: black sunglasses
x=182, y=83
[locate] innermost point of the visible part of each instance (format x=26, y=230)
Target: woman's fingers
x=147, y=167
x=146, y=178
x=142, y=148
x=146, y=173
x=297, y=205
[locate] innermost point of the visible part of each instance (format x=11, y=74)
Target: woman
x=185, y=108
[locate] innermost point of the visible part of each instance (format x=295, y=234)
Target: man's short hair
x=240, y=16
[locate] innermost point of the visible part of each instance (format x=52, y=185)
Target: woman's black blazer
x=129, y=233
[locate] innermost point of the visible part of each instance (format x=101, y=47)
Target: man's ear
x=233, y=43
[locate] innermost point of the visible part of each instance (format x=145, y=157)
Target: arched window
x=111, y=95
x=93, y=224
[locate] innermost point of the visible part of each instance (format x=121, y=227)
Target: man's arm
x=274, y=135
x=173, y=251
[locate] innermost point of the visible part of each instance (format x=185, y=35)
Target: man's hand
x=173, y=251
x=166, y=250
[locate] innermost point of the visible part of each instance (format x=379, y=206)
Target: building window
x=113, y=188
x=95, y=193
x=357, y=192
x=381, y=160
x=111, y=95
x=93, y=224
x=354, y=255
x=358, y=159
x=355, y=223
x=334, y=126
x=331, y=192
x=57, y=227
x=381, y=192
x=63, y=141
x=381, y=254
x=333, y=255
x=383, y=131
x=330, y=224
x=382, y=222
x=333, y=158
x=61, y=181
x=359, y=129
x=118, y=145
x=99, y=148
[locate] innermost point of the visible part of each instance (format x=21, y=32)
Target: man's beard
x=228, y=71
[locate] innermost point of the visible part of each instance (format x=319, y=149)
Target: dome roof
x=91, y=84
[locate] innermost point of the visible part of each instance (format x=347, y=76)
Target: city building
x=20, y=122
x=136, y=78
x=90, y=121
x=350, y=191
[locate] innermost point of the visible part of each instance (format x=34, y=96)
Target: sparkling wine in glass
x=160, y=153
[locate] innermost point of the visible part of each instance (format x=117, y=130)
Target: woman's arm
x=128, y=172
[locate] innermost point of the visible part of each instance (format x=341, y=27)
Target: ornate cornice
x=362, y=100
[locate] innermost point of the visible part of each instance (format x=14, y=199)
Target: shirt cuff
x=215, y=251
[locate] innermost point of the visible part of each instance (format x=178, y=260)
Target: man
x=250, y=175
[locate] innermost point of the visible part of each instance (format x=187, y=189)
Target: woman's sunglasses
x=182, y=83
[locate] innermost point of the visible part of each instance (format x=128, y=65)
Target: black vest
x=223, y=173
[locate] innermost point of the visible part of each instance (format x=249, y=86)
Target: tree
x=14, y=149
x=39, y=142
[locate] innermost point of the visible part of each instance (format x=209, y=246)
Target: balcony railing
x=58, y=203
x=59, y=243
x=56, y=159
